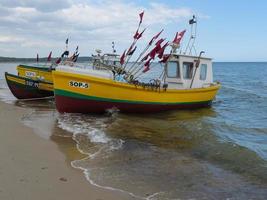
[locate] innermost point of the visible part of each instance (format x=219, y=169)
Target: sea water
x=210, y=153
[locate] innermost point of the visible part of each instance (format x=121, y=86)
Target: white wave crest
x=76, y=125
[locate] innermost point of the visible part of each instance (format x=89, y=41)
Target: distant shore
x=43, y=59
x=86, y=59
x=34, y=168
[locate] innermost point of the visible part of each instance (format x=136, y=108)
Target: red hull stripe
x=74, y=104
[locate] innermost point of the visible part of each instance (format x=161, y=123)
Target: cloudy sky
x=228, y=30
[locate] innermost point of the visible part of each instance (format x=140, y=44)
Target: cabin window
x=173, y=70
x=203, y=72
x=188, y=70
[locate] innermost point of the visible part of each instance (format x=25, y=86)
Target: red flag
x=136, y=35
x=140, y=35
x=178, y=37
x=146, y=69
x=159, y=42
x=145, y=58
x=129, y=53
x=161, y=51
x=154, y=51
x=146, y=65
x=58, y=60
x=130, y=49
x=148, y=62
x=49, y=56
x=165, y=58
x=155, y=37
x=175, y=38
x=122, y=59
x=141, y=15
x=37, y=58
x=75, y=58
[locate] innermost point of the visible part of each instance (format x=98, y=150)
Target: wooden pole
x=197, y=65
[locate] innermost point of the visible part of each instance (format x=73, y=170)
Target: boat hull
x=43, y=72
x=76, y=105
x=25, y=88
x=97, y=95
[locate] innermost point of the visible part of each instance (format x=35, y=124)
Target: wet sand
x=34, y=168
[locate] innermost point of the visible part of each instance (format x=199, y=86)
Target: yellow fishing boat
x=32, y=82
x=36, y=72
x=26, y=88
x=84, y=91
x=186, y=81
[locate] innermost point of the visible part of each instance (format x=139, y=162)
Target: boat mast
x=191, y=43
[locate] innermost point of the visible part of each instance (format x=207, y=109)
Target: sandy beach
x=34, y=168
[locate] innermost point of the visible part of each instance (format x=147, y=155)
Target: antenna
x=191, y=43
x=113, y=47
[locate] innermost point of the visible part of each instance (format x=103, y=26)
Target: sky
x=228, y=30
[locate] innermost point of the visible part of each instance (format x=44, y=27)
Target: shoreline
x=34, y=168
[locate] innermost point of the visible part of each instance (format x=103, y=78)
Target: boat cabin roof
x=178, y=56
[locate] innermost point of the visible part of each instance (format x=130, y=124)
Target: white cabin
x=180, y=70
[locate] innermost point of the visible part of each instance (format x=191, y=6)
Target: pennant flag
x=147, y=65
x=49, y=56
x=37, y=58
x=161, y=51
x=145, y=58
x=154, y=51
x=65, y=53
x=140, y=34
x=75, y=54
x=175, y=38
x=67, y=41
x=148, y=62
x=132, y=51
x=159, y=42
x=122, y=59
x=155, y=37
x=136, y=35
x=146, y=69
x=193, y=20
x=75, y=58
x=178, y=37
x=141, y=15
x=77, y=49
x=58, y=60
x=165, y=58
